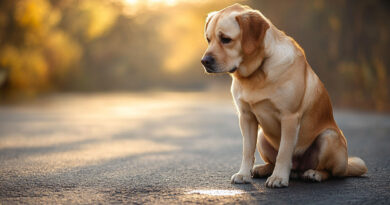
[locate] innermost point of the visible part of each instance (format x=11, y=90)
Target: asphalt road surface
x=161, y=148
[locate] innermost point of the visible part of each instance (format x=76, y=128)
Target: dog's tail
x=356, y=167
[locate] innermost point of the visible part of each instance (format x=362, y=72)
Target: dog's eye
x=225, y=40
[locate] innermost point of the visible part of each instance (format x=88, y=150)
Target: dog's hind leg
x=268, y=154
x=332, y=157
x=262, y=170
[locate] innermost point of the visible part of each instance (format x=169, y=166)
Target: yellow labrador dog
x=283, y=106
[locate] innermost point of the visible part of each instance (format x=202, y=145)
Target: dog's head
x=235, y=36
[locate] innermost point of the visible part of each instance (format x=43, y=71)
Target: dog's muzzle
x=209, y=63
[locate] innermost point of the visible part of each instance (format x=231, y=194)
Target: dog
x=283, y=106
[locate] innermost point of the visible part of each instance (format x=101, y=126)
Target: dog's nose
x=208, y=61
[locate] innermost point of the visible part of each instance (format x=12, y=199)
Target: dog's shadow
x=257, y=186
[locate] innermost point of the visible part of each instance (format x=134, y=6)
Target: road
x=161, y=148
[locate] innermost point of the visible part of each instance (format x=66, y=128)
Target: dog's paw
x=275, y=181
x=239, y=178
x=312, y=175
x=262, y=170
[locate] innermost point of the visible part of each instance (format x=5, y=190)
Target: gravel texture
x=161, y=148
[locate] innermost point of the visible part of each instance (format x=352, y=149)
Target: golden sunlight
x=216, y=192
x=134, y=6
x=183, y=34
x=159, y=2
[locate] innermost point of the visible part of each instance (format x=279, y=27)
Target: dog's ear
x=208, y=19
x=253, y=28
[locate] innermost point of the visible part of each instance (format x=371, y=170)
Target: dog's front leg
x=289, y=132
x=249, y=126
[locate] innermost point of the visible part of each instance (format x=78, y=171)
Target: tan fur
x=282, y=104
x=253, y=29
x=356, y=167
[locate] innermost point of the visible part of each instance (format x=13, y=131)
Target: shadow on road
x=160, y=148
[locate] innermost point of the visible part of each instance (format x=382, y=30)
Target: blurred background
x=106, y=101
x=55, y=46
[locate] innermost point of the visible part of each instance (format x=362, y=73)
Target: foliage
x=95, y=45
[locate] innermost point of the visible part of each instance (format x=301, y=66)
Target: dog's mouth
x=210, y=70
x=213, y=69
x=232, y=70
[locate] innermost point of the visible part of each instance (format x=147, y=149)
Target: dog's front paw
x=239, y=178
x=275, y=181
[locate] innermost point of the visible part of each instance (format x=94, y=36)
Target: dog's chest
x=268, y=116
x=267, y=103
x=264, y=108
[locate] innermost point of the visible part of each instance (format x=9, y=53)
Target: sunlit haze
x=182, y=28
